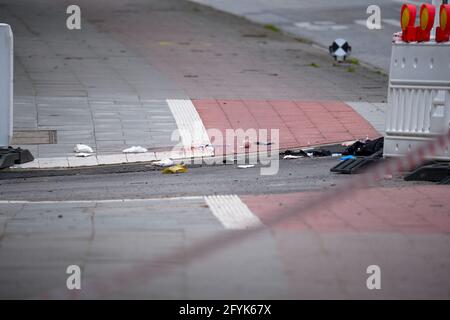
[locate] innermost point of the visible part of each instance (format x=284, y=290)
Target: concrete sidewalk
x=108, y=84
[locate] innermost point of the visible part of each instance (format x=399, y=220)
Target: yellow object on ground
x=179, y=168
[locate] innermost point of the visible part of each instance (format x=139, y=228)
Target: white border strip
x=97, y=201
x=232, y=212
x=190, y=125
x=100, y=159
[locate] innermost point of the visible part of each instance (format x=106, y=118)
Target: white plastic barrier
x=6, y=85
x=419, y=96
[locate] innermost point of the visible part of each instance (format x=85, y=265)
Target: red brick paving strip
x=300, y=123
x=412, y=209
x=409, y=211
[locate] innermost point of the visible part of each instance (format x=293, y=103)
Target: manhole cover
x=34, y=137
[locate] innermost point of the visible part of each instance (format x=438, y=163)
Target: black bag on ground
x=365, y=148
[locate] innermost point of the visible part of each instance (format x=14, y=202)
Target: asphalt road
x=322, y=21
x=293, y=176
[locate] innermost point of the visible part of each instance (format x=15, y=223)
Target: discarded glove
x=135, y=149
x=164, y=163
x=83, y=154
x=82, y=148
x=347, y=157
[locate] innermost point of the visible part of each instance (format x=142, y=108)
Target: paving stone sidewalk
x=85, y=85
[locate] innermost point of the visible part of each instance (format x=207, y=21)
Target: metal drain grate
x=28, y=137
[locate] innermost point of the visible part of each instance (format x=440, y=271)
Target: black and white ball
x=340, y=49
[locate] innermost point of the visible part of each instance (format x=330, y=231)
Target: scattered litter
x=359, y=155
x=297, y=153
x=83, y=148
x=288, y=157
x=335, y=150
x=348, y=143
x=335, y=155
x=246, y=166
x=347, y=157
x=365, y=148
x=264, y=143
x=321, y=153
x=135, y=149
x=178, y=168
x=203, y=147
x=83, y=154
x=163, y=163
x=308, y=153
x=357, y=164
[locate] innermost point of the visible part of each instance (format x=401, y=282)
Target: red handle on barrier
x=443, y=31
x=427, y=13
x=407, y=20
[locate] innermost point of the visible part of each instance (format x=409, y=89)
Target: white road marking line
x=361, y=22
x=98, y=201
x=320, y=26
x=232, y=212
x=417, y=2
x=190, y=125
x=393, y=22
